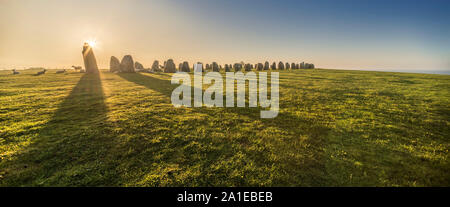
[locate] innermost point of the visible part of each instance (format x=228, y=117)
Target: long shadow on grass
x=276, y=155
x=69, y=149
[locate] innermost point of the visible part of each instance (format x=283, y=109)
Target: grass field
x=335, y=128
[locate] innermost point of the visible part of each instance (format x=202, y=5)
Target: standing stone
x=114, y=65
x=127, y=64
x=259, y=66
x=266, y=65
x=185, y=67
x=273, y=66
x=248, y=67
x=138, y=65
x=237, y=67
x=90, y=63
x=215, y=67
x=227, y=68
x=293, y=66
x=180, y=67
x=169, y=67
x=198, y=67
x=297, y=66
x=288, y=66
x=155, y=66
x=302, y=65
x=280, y=66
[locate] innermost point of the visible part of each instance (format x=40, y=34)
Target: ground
x=335, y=128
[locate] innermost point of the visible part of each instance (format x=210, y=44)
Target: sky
x=342, y=34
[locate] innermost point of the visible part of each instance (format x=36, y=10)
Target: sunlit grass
x=335, y=128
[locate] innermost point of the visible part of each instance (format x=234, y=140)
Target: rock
x=180, y=67
x=266, y=65
x=198, y=67
x=248, y=67
x=227, y=68
x=207, y=66
x=293, y=66
x=138, y=65
x=259, y=66
x=155, y=66
x=215, y=67
x=114, y=65
x=297, y=66
x=169, y=67
x=273, y=66
x=127, y=64
x=185, y=67
x=237, y=67
x=287, y=66
x=309, y=66
x=280, y=66
x=302, y=65
x=90, y=63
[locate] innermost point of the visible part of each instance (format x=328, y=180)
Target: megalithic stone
x=266, y=65
x=127, y=64
x=215, y=67
x=273, y=66
x=138, y=65
x=155, y=66
x=114, y=64
x=259, y=66
x=280, y=66
x=227, y=68
x=90, y=63
x=169, y=67
x=185, y=67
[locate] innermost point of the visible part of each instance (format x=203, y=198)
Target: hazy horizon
x=364, y=35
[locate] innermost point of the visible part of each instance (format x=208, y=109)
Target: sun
x=91, y=43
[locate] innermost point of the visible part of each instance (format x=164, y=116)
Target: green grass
x=335, y=128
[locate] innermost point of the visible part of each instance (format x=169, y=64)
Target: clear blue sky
x=353, y=34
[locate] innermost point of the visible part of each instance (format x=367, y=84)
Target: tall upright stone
x=169, y=67
x=266, y=65
x=215, y=67
x=138, y=65
x=155, y=66
x=273, y=66
x=288, y=66
x=227, y=68
x=185, y=67
x=248, y=67
x=237, y=67
x=259, y=66
x=280, y=66
x=127, y=64
x=114, y=65
x=293, y=66
x=198, y=67
x=90, y=63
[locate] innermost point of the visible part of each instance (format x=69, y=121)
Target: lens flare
x=91, y=43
